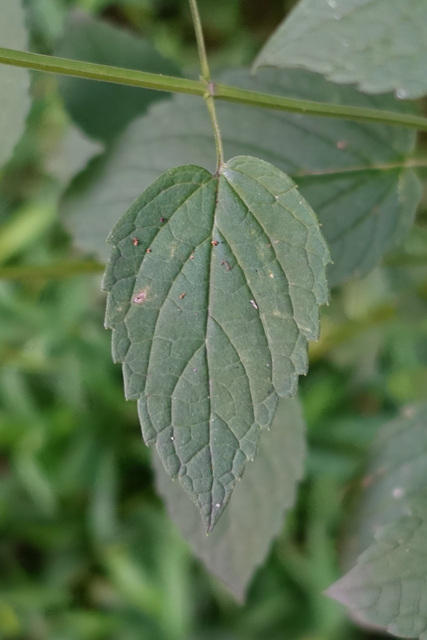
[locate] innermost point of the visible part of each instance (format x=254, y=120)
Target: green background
x=86, y=548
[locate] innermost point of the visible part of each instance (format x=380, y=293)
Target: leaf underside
x=243, y=536
x=379, y=44
x=387, y=587
x=15, y=83
x=214, y=285
x=353, y=174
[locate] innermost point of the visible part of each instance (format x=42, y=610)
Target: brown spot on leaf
x=368, y=480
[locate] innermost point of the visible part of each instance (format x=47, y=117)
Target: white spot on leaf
x=401, y=94
x=398, y=492
x=140, y=297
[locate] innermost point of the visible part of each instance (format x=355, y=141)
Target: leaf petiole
x=206, y=76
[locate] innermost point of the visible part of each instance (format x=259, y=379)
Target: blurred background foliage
x=86, y=549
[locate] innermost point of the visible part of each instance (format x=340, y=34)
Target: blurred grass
x=86, y=550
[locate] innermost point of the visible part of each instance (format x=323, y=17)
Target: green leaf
x=102, y=110
x=379, y=44
x=395, y=473
x=214, y=284
x=71, y=155
x=353, y=174
x=387, y=587
x=254, y=517
x=14, y=83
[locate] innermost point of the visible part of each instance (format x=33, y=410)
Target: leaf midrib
x=208, y=316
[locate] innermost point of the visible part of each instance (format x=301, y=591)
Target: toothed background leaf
x=214, y=286
x=352, y=174
x=87, y=550
x=379, y=44
x=14, y=83
x=387, y=587
x=396, y=473
x=240, y=542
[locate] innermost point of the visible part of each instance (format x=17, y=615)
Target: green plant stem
x=210, y=103
x=53, y=270
x=206, y=74
x=117, y=75
x=311, y=108
x=406, y=260
x=102, y=72
x=210, y=87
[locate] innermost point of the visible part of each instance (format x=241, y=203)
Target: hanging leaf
x=101, y=109
x=378, y=44
x=353, y=174
x=15, y=83
x=387, y=587
x=214, y=284
x=243, y=536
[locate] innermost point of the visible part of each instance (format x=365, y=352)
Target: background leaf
x=99, y=108
x=72, y=153
x=15, y=83
x=88, y=552
x=214, y=285
x=396, y=473
x=353, y=174
x=240, y=542
x=387, y=587
x=379, y=44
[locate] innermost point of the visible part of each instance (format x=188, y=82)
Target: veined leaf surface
x=355, y=175
x=214, y=284
x=387, y=587
x=396, y=473
x=379, y=44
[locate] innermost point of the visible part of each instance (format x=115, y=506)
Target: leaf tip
x=335, y=592
x=213, y=516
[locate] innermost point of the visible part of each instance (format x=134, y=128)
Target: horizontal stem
x=309, y=107
x=101, y=72
x=130, y=77
x=62, y=269
x=406, y=260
